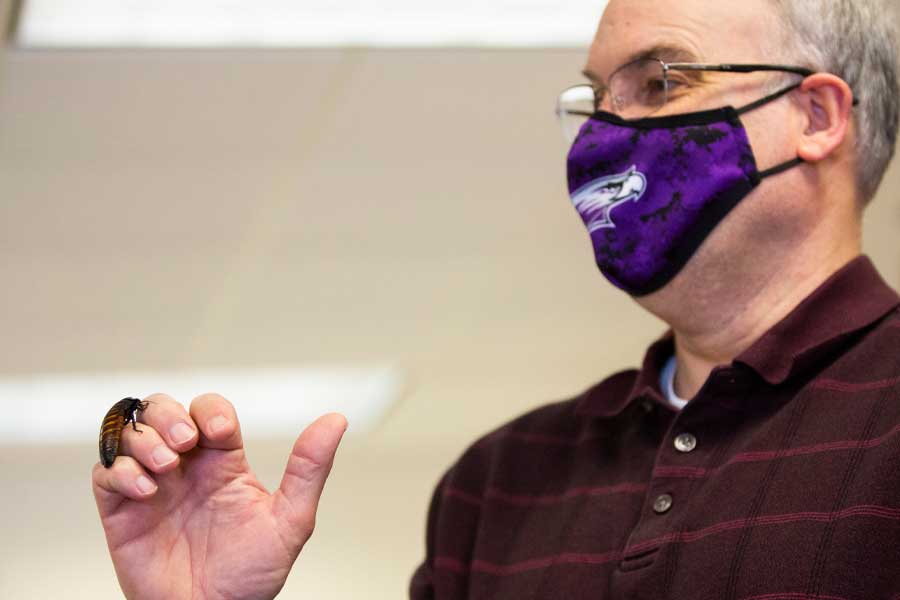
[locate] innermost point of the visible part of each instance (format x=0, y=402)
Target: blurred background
x=306, y=208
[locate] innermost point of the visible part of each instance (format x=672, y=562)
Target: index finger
x=172, y=421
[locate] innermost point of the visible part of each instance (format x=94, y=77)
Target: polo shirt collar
x=610, y=397
x=853, y=298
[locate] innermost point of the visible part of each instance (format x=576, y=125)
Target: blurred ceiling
x=232, y=209
x=268, y=23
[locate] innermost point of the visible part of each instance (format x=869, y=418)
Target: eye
x=658, y=85
x=657, y=90
x=674, y=83
x=653, y=91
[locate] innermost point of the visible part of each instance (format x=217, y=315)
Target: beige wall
x=179, y=209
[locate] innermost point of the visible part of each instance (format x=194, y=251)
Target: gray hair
x=855, y=40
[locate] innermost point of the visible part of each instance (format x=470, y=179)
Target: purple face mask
x=651, y=190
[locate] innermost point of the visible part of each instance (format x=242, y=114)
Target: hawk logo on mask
x=596, y=200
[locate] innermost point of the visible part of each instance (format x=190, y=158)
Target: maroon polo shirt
x=780, y=480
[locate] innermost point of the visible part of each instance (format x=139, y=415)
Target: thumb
x=307, y=469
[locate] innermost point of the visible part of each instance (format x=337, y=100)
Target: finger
x=218, y=422
x=173, y=423
x=125, y=479
x=148, y=448
x=307, y=469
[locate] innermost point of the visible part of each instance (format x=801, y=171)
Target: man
x=740, y=227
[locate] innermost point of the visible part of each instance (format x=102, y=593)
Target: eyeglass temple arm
x=745, y=69
x=739, y=68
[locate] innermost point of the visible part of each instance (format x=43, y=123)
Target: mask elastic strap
x=767, y=99
x=761, y=102
x=781, y=168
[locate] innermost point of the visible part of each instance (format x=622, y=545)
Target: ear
x=827, y=103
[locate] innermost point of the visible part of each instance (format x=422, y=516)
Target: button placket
x=684, y=443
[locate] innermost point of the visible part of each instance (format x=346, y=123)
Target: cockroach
x=122, y=413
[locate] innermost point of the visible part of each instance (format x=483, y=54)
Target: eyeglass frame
x=684, y=66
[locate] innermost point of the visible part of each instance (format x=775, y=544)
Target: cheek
x=775, y=212
x=774, y=216
x=772, y=134
x=768, y=138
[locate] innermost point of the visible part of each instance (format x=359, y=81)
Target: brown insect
x=122, y=413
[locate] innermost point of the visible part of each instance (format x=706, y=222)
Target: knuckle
x=219, y=398
x=161, y=398
x=302, y=519
x=309, y=526
x=212, y=399
x=117, y=479
x=304, y=468
x=124, y=466
x=122, y=463
x=97, y=471
x=160, y=406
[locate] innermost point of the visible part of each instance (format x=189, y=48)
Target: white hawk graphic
x=596, y=200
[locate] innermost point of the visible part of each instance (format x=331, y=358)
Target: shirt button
x=685, y=442
x=662, y=503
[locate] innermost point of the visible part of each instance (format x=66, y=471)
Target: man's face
x=776, y=214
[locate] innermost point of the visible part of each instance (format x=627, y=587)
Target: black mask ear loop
x=762, y=102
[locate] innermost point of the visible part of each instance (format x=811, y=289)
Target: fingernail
x=162, y=456
x=145, y=485
x=181, y=432
x=218, y=423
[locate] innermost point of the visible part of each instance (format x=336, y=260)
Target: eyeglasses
x=641, y=88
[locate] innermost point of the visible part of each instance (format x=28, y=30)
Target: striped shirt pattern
x=780, y=480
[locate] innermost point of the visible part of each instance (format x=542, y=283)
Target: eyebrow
x=665, y=52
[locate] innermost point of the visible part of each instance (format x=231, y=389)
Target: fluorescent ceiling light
x=269, y=402
x=289, y=23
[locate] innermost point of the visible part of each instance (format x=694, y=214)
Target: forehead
x=683, y=30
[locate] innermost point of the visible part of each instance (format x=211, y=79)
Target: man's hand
x=186, y=518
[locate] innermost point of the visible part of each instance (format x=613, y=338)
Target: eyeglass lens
x=574, y=107
x=636, y=90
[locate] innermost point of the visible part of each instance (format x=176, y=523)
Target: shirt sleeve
x=422, y=585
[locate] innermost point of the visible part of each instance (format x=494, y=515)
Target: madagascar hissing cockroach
x=122, y=413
